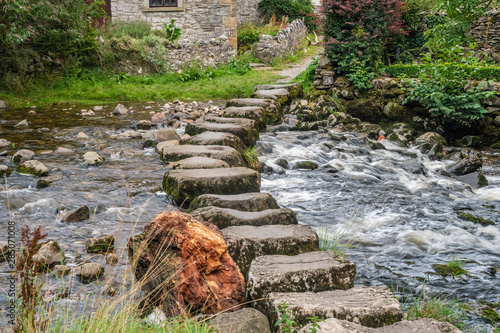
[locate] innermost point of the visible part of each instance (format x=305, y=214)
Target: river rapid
x=397, y=222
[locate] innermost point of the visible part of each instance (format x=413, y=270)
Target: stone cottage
x=198, y=19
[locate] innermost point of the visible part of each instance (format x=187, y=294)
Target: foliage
x=249, y=33
x=30, y=288
x=443, y=89
x=286, y=325
x=119, y=29
x=471, y=72
x=172, y=33
x=250, y=155
x=356, y=33
x=460, y=14
x=334, y=243
x=293, y=9
x=35, y=35
x=306, y=78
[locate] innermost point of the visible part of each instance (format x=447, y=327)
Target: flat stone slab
x=199, y=163
x=245, y=243
x=421, y=325
x=185, y=185
x=215, y=138
x=247, y=320
x=272, y=111
x=225, y=217
x=368, y=306
x=176, y=153
x=256, y=113
x=248, y=202
x=248, y=134
x=225, y=120
x=281, y=96
x=311, y=271
x=295, y=89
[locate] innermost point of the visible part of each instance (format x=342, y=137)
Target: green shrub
x=441, y=90
x=307, y=76
x=293, y=9
x=471, y=72
x=249, y=33
x=31, y=31
x=172, y=33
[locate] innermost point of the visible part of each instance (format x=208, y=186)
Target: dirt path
x=291, y=73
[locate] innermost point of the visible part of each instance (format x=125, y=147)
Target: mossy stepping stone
x=272, y=111
x=249, y=202
x=225, y=217
x=295, y=89
x=199, y=163
x=245, y=243
x=227, y=154
x=369, y=306
x=256, y=113
x=186, y=185
x=281, y=96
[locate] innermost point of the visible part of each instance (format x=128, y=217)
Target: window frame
x=147, y=8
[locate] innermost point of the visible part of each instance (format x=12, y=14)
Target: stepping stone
x=238, y=121
x=255, y=113
x=245, y=243
x=312, y=271
x=248, y=202
x=281, y=96
x=225, y=217
x=199, y=163
x=272, y=111
x=421, y=325
x=295, y=89
x=368, y=306
x=185, y=185
x=246, y=320
x=176, y=153
x=248, y=134
x=215, y=138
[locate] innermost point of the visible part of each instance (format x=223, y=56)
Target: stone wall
x=198, y=19
x=248, y=11
x=285, y=42
x=487, y=31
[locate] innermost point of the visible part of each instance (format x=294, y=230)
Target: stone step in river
x=272, y=111
x=215, y=138
x=307, y=272
x=249, y=202
x=199, y=163
x=225, y=217
x=245, y=243
x=176, y=153
x=421, y=325
x=186, y=185
x=367, y=306
x=256, y=113
x=295, y=89
x=248, y=134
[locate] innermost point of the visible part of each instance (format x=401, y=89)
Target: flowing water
x=398, y=223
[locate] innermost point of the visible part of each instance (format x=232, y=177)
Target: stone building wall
x=248, y=11
x=198, y=19
x=487, y=31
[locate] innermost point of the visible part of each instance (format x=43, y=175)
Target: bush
x=470, y=72
x=41, y=34
x=357, y=32
x=293, y=9
x=249, y=33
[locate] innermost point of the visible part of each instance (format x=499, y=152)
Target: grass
x=251, y=157
x=95, y=89
x=454, y=268
x=303, y=51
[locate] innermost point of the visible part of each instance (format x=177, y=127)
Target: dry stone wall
x=285, y=42
x=487, y=31
x=248, y=11
x=198, y=19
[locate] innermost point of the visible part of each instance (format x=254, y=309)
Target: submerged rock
x=306, y=165
x=186, y=266
x=33, y=168
x=89, y=272
x=77, y=215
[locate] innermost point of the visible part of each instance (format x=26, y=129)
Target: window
x=162, y=3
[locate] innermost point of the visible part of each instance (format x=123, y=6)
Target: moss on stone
x=448, y=270
x=467, y=217
x=5, y=172
x=491, y=315
x=482, y=180
x=31, y=171
x=307, y=165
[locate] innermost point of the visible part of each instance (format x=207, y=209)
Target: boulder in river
x=22, y=155
x=183, y=263
x=167, y=134
x=120, y=109
x=5, y=143
x=431, y=143
x=470, y=161
x=92, y=158
x=5, y=171
x=89, y=272
x=49, y=254
x=101, y=244
x=77, y=215
x=33, y=168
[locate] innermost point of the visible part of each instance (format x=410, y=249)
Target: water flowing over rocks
x=183, y=262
